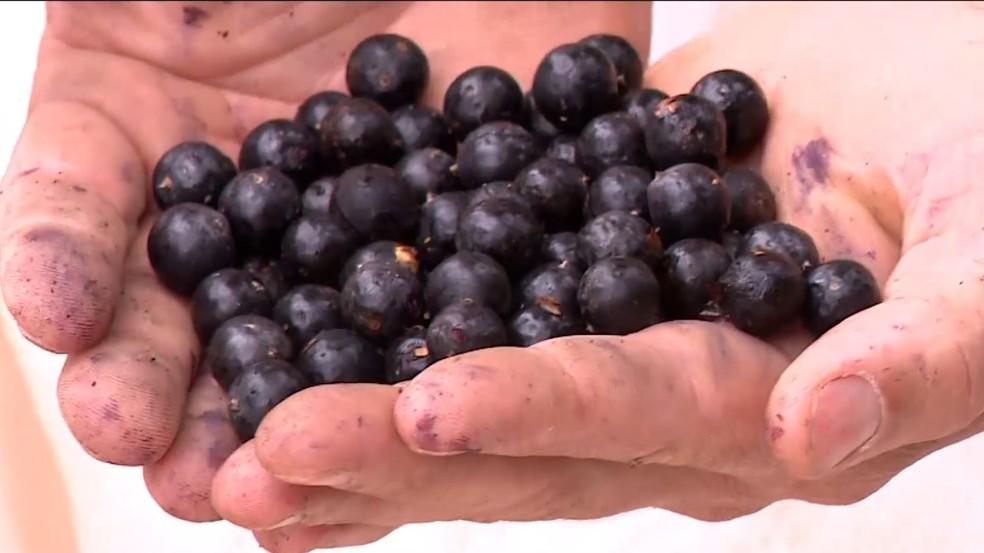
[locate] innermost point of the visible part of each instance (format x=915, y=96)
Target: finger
x=682, y=393
x=124, y=398
x=303, y=539
x=343, y=436
x=181, y=481
x=69, y=206
x=905, y=371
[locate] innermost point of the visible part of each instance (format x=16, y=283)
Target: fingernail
x=846, y=414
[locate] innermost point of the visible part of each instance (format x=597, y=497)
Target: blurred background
x=54, y=498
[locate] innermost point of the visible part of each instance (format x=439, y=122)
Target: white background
x=933, y=506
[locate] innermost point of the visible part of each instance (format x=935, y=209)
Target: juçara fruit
x=358, y=131
x=688, y=201
x=481, y=95
x=688, y=277
x=619, y=296
x=315, y=247
x=462, y=327
x=271, y=272
x=742, y=102
x=835, y=291
x=553, y=288
x=501, y=189
x=556, y=190
x=752, y=201
x=257, y=390
x=377, y=203
x=381, y=299
x=306, y=310
x=781, y=238
x=619, y=234
x=407, y=356
x=191, y=172
x=315, y=108
x=187, y=243
x=619, y=188
x=439, y=226
x=543, y=130
x=317, y=197
x=340, y=356
x=388, y=68
x=506, y=230
x=424, y=127
x=260, y=204
x=496, y=151
x=573, y=84
x=242, y=341
x=685, y=129
x=561, y=247
x=428, y=172
x=609, y=140
x=624, y=56
x=225, y=294
x=384, y=250
x=468, y=276
x=641, y=102
x=291, y=147
x=533, y=324
x=762, y=292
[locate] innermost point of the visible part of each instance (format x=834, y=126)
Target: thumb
x=908, y=370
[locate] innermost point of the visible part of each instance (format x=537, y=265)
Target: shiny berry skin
x=257, y=390
x=685, y=129
x=381, y=299
x=187, y=243
x=389, y=69
x=624, y=56
x=542, y=129
x=688, y=201
x=742, y=101
x=573, y=84
x=533, y=324
x=481, y=95
x=315, y=247
x=315, y=108
x=762, y=293
x=619, y=295
x=462, y=327
x=781, y=238
x=317, y=197
x=560, y=247
x=688, y=277
x=286, y=145
x=752, y=201
x=495, y=189
x=609, y=140
x=226, y=294
x=407, y=356
x=428, y=172
x=306, y=310
x=563, y=147
x=377, y=203
x=423, y=127
x=640, y=102
x=260, y=203
x=384, y=250
x=358, y=131
x=271, y=272
x=503, y=229
x=553, y=287
x=619, y=188
x=835, y=291
x=618, y=234
x=242, y=341
x=468, y=276
x=555, y=189
x=340, y=356
x=439, y=226
x=191, y=172
x=493, y=152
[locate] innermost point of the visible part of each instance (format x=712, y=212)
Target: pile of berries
x=372, y=236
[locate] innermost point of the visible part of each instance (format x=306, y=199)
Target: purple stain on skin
x=193, y=15
x=811, y=165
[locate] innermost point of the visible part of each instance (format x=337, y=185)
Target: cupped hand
x=873, y=149
x=116, y=86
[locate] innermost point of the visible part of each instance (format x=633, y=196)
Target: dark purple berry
x=781, y=238
x=462, y=327
x=742, y=101
x=439, y=226
x=619, y=188
x=257, y=390
x=315, y=247
x=619, y=295
x=533, y=324
x=625, y=58
x=187, y=243
x=563, y=147
x=377, y=203
x=386, y=251
x=573, y=84
x=286, y=145
x=271, y=273
x=688, y=201
x=260, y=203
x=317, y=197
x=225, y=294
x=468, y=276
x=560, y=247
x=428, y=172
x=359, y=131
x=618, y=234
x=192, y=172
x=242, y=341
x=481, y=95
x=542, y=129
x=495, y=189
x=609, y=140
x=752, y=202
x=495, y=151
x=313, y=111
x=306, y=310
x=381, y=299
x=685, y=129
x=341, y=356
x=423, y=127
x=641, y=102
x=407, y=356
x=762, y=293
x=556, y=190
x=835, y=291
x=503, y=229
x=552, y=287
x=731, y=240
x=689, y=278
x=390, y=69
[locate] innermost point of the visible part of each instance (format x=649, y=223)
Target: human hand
x=116, y=86
x=696, y=417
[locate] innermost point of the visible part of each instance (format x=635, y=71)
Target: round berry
x=286, y=145
x=306, y=310
x=439, y=226
x=688, y=201
x=191, y=172
x=225, y=294
x=533, y=324
x=462, y=327
x=242, y=341
x=641, y=102
x=781, y=238
x=260, y=203
x=689, y=277
x=340, y=356
x=317, y=197
x=187, y=243
x=423, y=127
x=556, y=190
x=625, y=58
x=836, y=291
x=762, y=293
x=609, y=140
x=407, y=356
x=619, y=188
x=428, y=172
x=503, y=229
x=315, y=247
x=257, y=390
x=685, y=129
x=468, y=276
x=619, y=234
x=742, y=101
x=752, y=201
x=481, y=95
x=382, y=299
x=358, y=131
x=495, y=151
x=573, y=84
x=313, y=110
x=619, y=295
x=377, y=203
x=389, y=69
x=386, y=251
x=553, y=287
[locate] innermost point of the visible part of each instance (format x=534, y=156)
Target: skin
x=862, y=152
